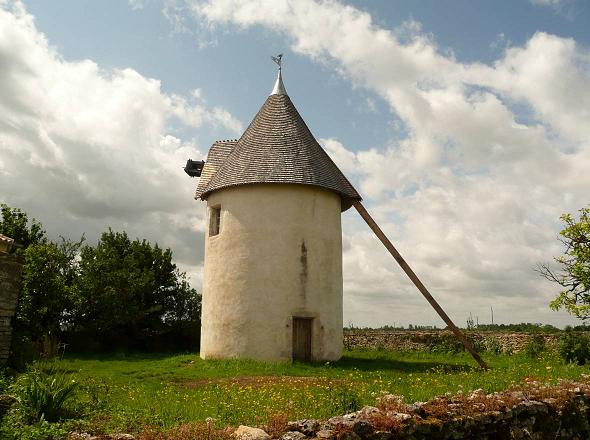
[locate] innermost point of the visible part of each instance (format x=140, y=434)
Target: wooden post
x=410, y=273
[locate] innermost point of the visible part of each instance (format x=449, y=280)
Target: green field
x=133, y=391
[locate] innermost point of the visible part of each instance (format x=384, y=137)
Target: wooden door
x=302, y=339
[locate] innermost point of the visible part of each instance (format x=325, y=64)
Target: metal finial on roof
x=279, y=88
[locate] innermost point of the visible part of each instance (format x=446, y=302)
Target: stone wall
x=10, y=285
x=536, y=412
x=425, y=340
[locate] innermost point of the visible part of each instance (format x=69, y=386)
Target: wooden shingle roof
x=277, y=147
x=217, y=155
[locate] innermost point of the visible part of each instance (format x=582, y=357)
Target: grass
x=132, y=391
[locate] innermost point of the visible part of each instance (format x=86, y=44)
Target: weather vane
x=278, y=59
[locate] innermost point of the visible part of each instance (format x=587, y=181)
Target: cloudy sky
x=463, y=124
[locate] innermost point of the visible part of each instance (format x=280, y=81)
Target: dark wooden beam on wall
x=410, y=273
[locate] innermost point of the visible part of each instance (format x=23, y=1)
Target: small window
x=214, y=221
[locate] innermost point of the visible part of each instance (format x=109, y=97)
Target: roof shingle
x=277, y=147
x=215, y=158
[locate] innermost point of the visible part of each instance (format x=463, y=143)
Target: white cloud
x=83, y=148
x=472, y=195
x=552, y=3
x=136, y=4
x=562, y=7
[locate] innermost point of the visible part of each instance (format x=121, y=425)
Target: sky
x=464, y=126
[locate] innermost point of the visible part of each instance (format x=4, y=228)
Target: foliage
x=15, y=224
x=44, y=393
x=478, y=344
x=470, y=325
x=344, y=400
x=574, y=272
x=46, y=399
x=419, y=327
x=16, y=429
x=535, y=346
x=446, y=343
x=46, y=300
x=522, y=327
x=494, y=346
x=129, y=289
x=119, y=294
x=574, y=347
x=5, y=380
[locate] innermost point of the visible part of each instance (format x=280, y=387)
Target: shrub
x=23, y=351
x=444, y=344
x=535, y=346
x=448, y=343
x=41, y=430
x=44, y=394
x=478, y=344
x=4, y=381
x=494, y=346
x=344, y=401
x=574, y=347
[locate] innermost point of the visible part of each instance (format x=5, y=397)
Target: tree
x=574, y=267
x=15, y=224
x=48, y=276
x=129, y=290
x=47, y=297
x=121, y=291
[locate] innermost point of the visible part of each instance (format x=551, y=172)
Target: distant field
x=129, y=392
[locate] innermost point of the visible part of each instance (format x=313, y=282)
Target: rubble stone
x=249, y=433
x=306, y=426
x=293, y=435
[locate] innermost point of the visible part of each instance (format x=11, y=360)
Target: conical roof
x=277, y=147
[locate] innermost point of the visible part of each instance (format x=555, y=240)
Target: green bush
x=345, y=400
x=23, y=351
x=535, y=346
x=4, y=381
x=494, y=346
x=444, y=344
x=41, y=430
x=45, y=393
x=478, y=344
x=574, y=347
x=448, y=343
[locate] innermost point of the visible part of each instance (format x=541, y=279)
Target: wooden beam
x=410, y=273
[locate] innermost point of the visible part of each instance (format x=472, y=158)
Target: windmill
x=274, y=242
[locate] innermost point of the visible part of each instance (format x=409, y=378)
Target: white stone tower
x=272, y=286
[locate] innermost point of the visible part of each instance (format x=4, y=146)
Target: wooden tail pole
x=410, y=273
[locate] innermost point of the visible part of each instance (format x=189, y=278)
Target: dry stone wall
x=10, y=285
x=425, y=340
x=536, y=412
